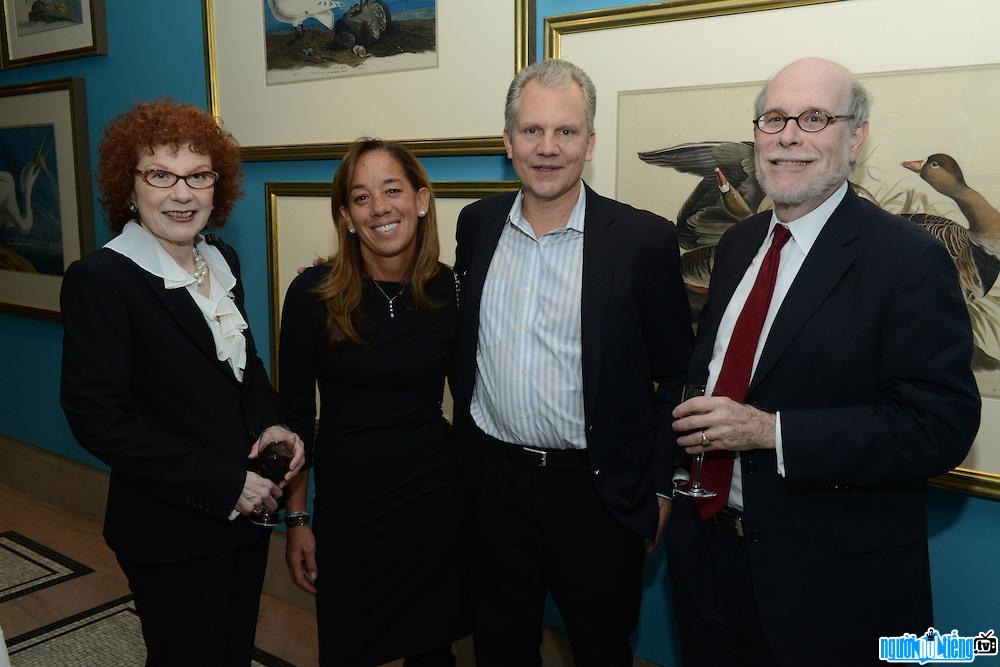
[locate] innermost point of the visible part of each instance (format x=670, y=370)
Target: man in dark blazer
x=861, y=390
x=572, y=307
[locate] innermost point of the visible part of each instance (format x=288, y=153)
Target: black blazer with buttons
x=869, y=363
x=144, y=391
x=636, y=330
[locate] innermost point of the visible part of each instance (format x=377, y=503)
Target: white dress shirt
x=529, y=361
x=220, y=311
x=804, y=232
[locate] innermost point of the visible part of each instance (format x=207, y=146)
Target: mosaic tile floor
x=108, y=635
x=26, y=566
x=64, y=601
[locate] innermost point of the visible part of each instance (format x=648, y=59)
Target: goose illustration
x=10, y=212
x=941, y=172
x=295, y=12
x=975, y=251
x=727, y=193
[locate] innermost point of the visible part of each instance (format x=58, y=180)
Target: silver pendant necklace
x=392, y=312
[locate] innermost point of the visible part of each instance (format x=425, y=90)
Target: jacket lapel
x=190, y=319
x=823, y=268
x=600, y=249
x=472, y=289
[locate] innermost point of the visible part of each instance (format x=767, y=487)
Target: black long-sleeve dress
x=387, y=492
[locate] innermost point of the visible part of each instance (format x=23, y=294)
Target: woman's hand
x=300, y=555
x=279, y=433
x=258, y=493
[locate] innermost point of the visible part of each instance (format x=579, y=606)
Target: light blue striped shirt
x=529, y=369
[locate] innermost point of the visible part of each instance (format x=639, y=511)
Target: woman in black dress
x=375, y=327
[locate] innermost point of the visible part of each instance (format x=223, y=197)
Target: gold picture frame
x=458, y=104
x=652, y=38
x=45, y=149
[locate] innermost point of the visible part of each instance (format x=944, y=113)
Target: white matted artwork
x=40, y=31
x=478, y=46
x=324, y=42
x=870, y=37
x=45, y=198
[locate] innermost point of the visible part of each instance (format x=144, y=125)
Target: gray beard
x=819, y=187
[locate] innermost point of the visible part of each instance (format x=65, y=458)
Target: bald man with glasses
x=836, y=349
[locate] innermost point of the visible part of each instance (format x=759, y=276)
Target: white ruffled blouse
x=220, y=311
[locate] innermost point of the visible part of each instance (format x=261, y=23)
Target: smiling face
x=797, y=169
x=174, y=215
x=549, y=143
x=383, y=210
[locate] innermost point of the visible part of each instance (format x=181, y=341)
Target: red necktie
x=734, y=378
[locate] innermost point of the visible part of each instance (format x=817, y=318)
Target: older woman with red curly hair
x=161, y=381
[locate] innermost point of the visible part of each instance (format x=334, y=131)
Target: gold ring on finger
x=705, y=442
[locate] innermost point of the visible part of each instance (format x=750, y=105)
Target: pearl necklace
x=200, y=267
x=392, y=312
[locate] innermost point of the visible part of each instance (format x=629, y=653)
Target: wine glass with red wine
x=271, y=463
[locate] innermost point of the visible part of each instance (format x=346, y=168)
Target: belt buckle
x=731, y=519
x=738, y=522
x=541, y=452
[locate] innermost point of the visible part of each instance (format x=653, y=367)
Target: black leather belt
x=729, y=520
x=536, y=457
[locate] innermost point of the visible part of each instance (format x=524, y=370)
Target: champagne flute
x=272, y=463
x=693, y=488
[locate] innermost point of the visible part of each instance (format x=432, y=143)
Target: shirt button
x=755, y=536
x=524, y=371
x=590, y=427
x=597, y=471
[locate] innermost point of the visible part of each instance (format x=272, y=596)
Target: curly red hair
x=149, y=125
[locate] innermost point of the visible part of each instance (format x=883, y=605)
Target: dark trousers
x=714, y=604
x=539, y=530
x=200, y=612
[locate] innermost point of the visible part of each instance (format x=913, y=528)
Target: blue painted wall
x=156, y=48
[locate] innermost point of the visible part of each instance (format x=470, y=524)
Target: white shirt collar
x=142, y=248
x=576, y=216
x=805, y=229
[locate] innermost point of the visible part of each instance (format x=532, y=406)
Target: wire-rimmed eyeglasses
x=161, y=178
x=773, y=122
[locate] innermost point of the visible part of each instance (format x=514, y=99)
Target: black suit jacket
x=144, y=392
x=868, y=362
x=636, y=330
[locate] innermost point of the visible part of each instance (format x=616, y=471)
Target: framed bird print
x=45, y=201
x=662, y=131
x=319, y=39
x=42, y=31
x=301, y=79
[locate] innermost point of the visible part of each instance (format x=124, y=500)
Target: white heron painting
x=318, y=39
x=30, y=223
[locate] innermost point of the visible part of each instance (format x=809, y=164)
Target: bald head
x=804, y=75
x=799, y=168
